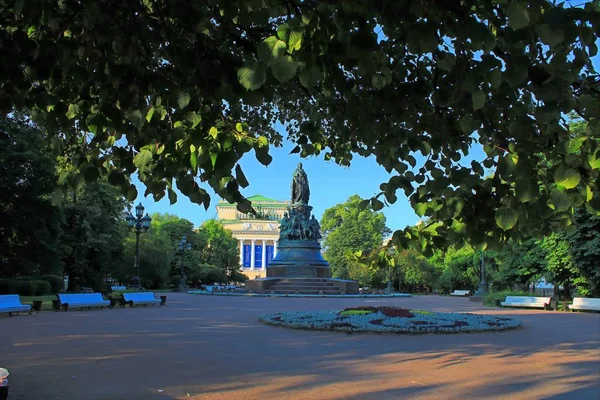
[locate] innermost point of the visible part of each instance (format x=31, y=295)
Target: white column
x=274, y=248
x=264, y=255
x=241, y=252
x=252, y=260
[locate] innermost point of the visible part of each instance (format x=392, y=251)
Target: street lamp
x=183, y=247
x=482, y=290
x=140, y=223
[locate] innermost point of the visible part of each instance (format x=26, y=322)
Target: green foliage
x=173, y=228
x=355, y=312
x=368, y=274
x=29, y=287
x=94, y=233
x=584, y=244
x=347, y=228
x=56, y=282
x=560, y=268
x=381, y=79
x=30, y=225
x=491, y=299
x=221, y=250
x=156, y=253
x=519, y=264
x=461, y=270
x=414, y=272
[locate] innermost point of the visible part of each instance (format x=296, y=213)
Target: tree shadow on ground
x=218, y=349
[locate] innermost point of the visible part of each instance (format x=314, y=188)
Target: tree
x=415, y=272
x=348, y=228
x=367, y=270
x=30, y=225
x=156, y=253
x=179, y=91
x=520, y=264
x=173, y=228
x=584, y=242
x=94, y=234
x=221, y=250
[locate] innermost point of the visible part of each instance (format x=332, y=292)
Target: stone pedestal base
x=299, y=268
x=298, y=259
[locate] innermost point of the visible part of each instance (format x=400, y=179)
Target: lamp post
x=183, y=247
x=482, y=290
x=390, y=285
x=141, y=224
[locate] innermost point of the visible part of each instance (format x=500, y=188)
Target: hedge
x=56, y=282
x=22, y=287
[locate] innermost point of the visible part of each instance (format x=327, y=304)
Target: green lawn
x=46, y=300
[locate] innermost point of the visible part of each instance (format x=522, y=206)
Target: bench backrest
x=527, y=300
x=10, y=300
x=583, y=301
x=463, y=292
x=74, y=298
x=114, y=288
x=139, y=296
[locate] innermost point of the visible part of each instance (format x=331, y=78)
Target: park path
x=212, y=347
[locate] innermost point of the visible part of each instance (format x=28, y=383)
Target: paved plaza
x=213, y=347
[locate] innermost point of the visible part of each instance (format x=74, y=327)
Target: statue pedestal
x=298, y=259
x=299, y=268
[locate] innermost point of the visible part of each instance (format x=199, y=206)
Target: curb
x=207, y=293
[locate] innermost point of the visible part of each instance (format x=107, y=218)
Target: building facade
x=257, y=235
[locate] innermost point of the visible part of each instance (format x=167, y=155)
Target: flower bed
x=389, y=320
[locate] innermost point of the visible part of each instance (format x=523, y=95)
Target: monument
x=299, y=265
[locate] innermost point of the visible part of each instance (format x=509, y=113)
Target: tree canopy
x=348, y=229
x=179, y=91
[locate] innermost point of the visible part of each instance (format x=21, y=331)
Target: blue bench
x=118, y=288
x=82, y=300
x=140, y=298
x=10, y=303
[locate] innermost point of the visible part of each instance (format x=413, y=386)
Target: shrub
x=491, y=298
x=174, y=280
x=24, y=287
x=7, y=286
x=42, y=287
x=56, y=282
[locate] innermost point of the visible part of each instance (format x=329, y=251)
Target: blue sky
x=330, y=184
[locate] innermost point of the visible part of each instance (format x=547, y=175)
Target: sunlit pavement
x=212, y=347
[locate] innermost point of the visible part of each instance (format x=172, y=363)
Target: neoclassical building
x=257, y=235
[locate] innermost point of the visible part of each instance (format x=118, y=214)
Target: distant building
x=257, y=235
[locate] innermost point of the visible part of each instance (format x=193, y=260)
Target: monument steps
x=304, y=283
x=303, y=287
x=293, y=291
x=303, y=280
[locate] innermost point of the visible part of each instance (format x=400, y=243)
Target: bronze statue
x=300, y=189
x=314, y=228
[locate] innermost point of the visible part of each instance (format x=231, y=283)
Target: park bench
x=526, y=301
x=460, y=293
x=140, y=298
x=118, y=288
x=10, y=303
x=587, y=304
x=82, y=300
